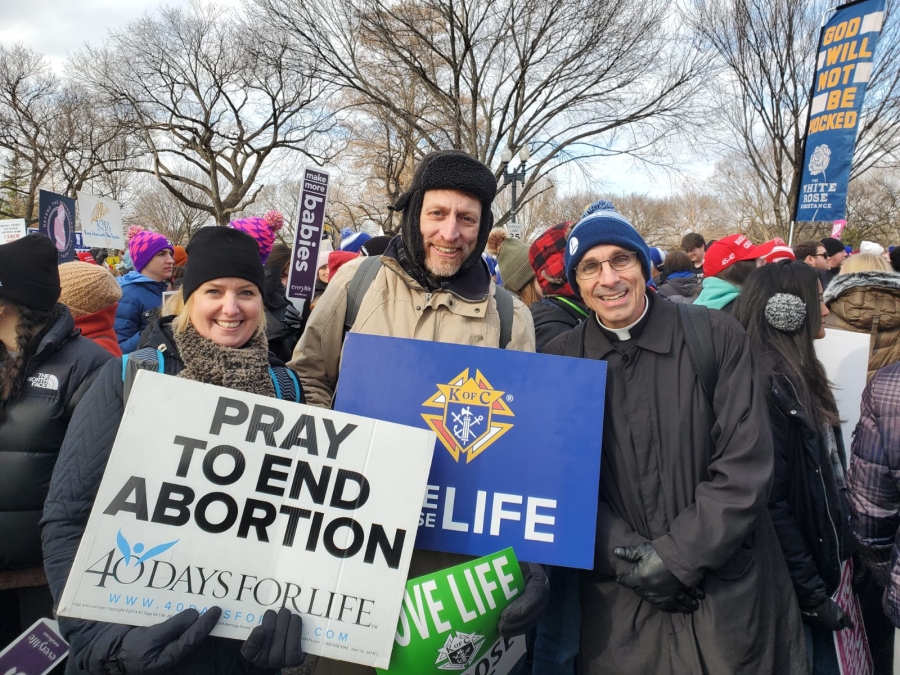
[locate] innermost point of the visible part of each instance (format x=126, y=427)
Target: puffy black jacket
x=681, y=289
x=554, y=315
x=77, y=477
x=60, y=369
x=808, y=506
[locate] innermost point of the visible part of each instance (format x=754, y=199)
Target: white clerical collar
x=625, y=333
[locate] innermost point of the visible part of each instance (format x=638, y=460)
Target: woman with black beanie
x=216, y=336
x=45, y=369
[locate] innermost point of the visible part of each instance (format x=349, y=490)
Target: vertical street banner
x=250, y=503
x=513, y=466
x=308, y=236
x=57, y=221
x=843, y=68
x=449, y=620
x=101, y=222
x=12, y=229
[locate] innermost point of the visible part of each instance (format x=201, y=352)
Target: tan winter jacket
x=396, y=306
x=868, y=302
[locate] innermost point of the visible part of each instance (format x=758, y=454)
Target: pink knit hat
x=143, y=245
x=262, y=229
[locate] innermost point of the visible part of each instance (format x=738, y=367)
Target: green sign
x=448, y=621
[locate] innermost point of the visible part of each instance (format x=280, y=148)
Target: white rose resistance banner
x=844, y=65
x=517, y=459
x=215, y=497
x=101, y=221
x=308, y=237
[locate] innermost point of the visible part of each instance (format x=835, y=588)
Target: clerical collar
x=625, y=333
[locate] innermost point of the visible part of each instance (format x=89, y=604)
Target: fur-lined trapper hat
x=446, y=170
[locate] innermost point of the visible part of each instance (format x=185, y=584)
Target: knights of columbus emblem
x=468, y=406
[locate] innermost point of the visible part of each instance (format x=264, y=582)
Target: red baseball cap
x=727, y=251
x=776, y=250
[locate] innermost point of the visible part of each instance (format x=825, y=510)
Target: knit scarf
x=245, y=368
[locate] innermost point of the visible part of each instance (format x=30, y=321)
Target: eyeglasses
x=821, y=255
x=620, y=262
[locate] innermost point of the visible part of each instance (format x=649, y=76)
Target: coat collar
x=843, y=283
x=656, y=333
x=471, y=285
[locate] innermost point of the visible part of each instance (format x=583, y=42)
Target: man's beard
x=441, y=268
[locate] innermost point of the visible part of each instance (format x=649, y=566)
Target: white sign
x=10, y=230
x=101, y=221
x=845, y=355
x=250, y=503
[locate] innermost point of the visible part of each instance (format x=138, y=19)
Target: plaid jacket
x=873, y=483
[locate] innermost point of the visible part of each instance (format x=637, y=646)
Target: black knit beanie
x=216, y=252
x=446, y=170
x=29, y=272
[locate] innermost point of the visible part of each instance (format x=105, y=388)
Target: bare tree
x=210, y=100
x=483, y=75
x=156, y=208
x=767, y=51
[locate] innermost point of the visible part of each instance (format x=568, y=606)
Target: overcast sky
x=57, y=28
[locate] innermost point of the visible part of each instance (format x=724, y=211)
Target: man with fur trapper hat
x=431, y=284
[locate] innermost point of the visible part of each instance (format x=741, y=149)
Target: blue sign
x=845, y=63
x=517, y=459
x=57, y=221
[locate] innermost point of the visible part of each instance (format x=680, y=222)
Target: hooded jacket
x=554, y=315
x=462, y=310
x=60, y=369
x=868, y=302
x=82, y=461
x=140, y=295
x=807, y=503
x=99, y=328
x=681, y=289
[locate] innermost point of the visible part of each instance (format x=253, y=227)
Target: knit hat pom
x=495, y=240
x=599, y=205
x=274, y=220
x=131, y=231
x=785, y=312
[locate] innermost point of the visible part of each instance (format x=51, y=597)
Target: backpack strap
x=147, y=358
x=575, y=341
x=698, y=336
x=505, y=310
x=287, y=388
x=359, y=284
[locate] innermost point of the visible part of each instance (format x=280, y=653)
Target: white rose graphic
x=820, y=158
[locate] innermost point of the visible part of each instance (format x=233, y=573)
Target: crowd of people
x=730, y=502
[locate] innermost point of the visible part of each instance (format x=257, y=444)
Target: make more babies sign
x=517, y=460
x=215, y=497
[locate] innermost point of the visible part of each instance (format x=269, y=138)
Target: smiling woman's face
x=227, y=311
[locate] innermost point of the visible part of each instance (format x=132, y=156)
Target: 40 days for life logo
x=467, y=424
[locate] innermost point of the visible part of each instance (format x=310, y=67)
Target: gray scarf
x=245, y=368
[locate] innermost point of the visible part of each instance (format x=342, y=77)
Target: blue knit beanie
x=602, y=225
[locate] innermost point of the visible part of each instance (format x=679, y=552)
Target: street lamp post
x=514, y=177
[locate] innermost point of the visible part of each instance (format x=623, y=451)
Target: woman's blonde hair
x=865, y=262
x=179, y=308
x=529, y=294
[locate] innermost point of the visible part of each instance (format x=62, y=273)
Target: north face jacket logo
x=44, y=381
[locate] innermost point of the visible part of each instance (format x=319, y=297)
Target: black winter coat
x=552, y=316
x=808, y=508
x=60, y=369
x=82, y=461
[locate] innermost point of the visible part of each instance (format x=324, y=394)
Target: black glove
x=524, y=612
x=152, y=648
x=828, y=615
x=275, y=643
x=652, y=580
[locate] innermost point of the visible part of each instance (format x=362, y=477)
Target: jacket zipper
x=837, y=539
